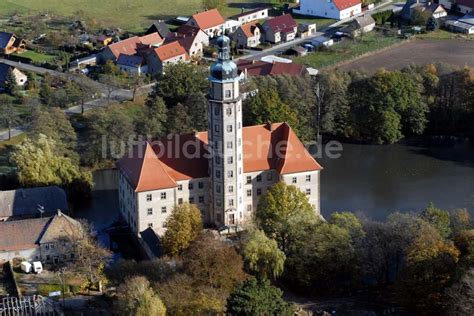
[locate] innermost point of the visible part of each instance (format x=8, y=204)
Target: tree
x=266, y=106
x=439, y=219
x=112, y=83
x=350, y=222
x=262, y=256
x=136, y=297
x=419, y=17
x=90, y=258
x=254, y=297
x=179, y=121
x=183, y=226
x=10, y=85
x=9, y=116
x=151, y=121
x=460, y=221
x=461, y=295
x=54, y=124
x=281, y=209
x=46, y=90
x=39, y=164
x=210, y=262
x=178, y=82
x=196, y=107
x=110, y=134
x=213, y=4
x=136, y=82
x=86, y=89
x=432, y=24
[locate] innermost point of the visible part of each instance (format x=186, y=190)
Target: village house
x=334, y=9
x=130, y=46
x=32, y=202
x=20, y=77
x=463, y=25
x=460, y=6
x=306, y=30
x=248, y=35
x=224, y=170
x=10, y=43
x=360, y=25
x=251, y=16
x=191, y=44
x=251, y=68
x=432, y=9
x=280, y=28
x=187, y=30
x=211, y=22
x=132, y=64
x=43, y=239
x=159, y=27
x=166, y=54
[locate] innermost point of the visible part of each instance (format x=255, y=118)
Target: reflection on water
x=378, y=180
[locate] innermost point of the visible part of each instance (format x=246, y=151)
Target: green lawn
x=442, y=35
x=320, y=22
x=37, y=57
x=346, y=50
x=132, y=15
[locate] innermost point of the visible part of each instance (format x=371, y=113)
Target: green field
x=321, y=23
x=127, y=14
x=37, y=57
x=347, y=50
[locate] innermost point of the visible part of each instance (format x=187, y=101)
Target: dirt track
x=420, y=52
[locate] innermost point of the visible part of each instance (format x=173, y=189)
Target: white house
x=334, y=9
x=211, y=22
x=252, y=15
x=132, y=64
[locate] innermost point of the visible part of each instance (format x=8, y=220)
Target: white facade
x=254, y=15
x=327, y=9
x=134, y=70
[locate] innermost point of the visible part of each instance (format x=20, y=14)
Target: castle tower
x=225, y=140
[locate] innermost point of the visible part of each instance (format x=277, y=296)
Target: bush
x=45, y=289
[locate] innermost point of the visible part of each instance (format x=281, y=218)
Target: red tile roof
x=249, y=28
x=282, y=23
x=170, y=50
x=344, y=4
x=208, y=19
x=151, y=39
x=130, y=45
x=261, y=68
x=183, y=157
x=184, y=40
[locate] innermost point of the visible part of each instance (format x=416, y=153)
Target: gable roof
x=184, y=157
x=159, y=27
x=60, y=226
x=4, y=69
x=22, y=234
x=25, y=202
x=127, y=46
x=151, y=39
x=249, y=28
x=170, y=50
x=362, y=21
x=345, y=4
x=261, y=68
x=282, y=23
x=208, y=19
x=5, y=38
x=188, y=30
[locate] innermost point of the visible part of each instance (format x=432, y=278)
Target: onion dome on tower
x=224, y=68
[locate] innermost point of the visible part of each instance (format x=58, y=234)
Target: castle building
x=224, y=171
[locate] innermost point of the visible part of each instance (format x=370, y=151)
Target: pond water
x=378, y=180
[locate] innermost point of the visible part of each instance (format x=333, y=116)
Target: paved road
x=328, y=31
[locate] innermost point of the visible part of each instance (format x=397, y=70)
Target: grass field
x=37, y=57
x=346, y=50
x=131, y=15
x=320, y=22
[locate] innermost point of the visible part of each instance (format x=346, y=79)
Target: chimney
x=269, y=126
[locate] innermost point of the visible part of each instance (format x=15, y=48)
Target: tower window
x=228, y=93
x=218, y=174
x=218, y=188
x=229, y=128
x=216, y=110
x=231, y=202
x=216, y=127
x=230, y=160
x=231, y=189
x=229, y=111
x=230, y=174
x=229, y=145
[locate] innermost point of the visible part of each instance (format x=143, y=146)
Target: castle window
x=180, y=201
x=249, y=179
x=308, y=178
x=249, y=207
x=269, y=177
x=148, y=197
x=201, y=199
x=249, y=192
x=308, y=191
x=149, y=211
x=294, y=180
x=163, y=209
x=200, y=185
x=164, y=225
x=259, y=178
x=150, y=225
x=163, y=195
x=191, y=200
x=259, y=192
x=180, y=187
x=190, y=186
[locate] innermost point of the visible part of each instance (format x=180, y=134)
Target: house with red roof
x=210, y=21
x=334, y=9
x=248, y=35
x=252, y=68
x=130, y=46
x=223, y=171
x=280, y=28
x=166, y=54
